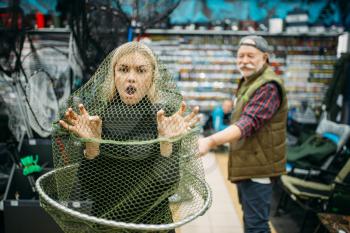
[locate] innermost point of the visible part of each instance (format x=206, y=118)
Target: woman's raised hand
x=82, y=125
x=176, y=124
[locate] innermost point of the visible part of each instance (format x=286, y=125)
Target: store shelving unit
x=203, y=62
x=43, y=50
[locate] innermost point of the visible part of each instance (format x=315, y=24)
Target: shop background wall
x=28, y=6
x=209, y=11
x=325, y=12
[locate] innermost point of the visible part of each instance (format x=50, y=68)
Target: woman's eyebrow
x=122, y=65
x=138, y=65
x=141, y=66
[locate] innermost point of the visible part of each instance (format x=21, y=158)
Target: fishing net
x=47, y=68
x=125, y=151
x=42, y=101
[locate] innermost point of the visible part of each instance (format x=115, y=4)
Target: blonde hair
x=128, y=48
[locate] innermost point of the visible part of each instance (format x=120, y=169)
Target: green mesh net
x=125, y=151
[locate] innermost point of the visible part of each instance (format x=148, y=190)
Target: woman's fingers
x=193, y=121
x=70, y=117
x=67, y=126
x=95, y=119
x=192, y=115
x=83, y=110
x=177, y=123
x=160, y=115
x=64, y=124
x=72, y=114
x=182, y=108
x=81, y=124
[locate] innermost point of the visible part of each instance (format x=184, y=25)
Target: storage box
x=22, y=212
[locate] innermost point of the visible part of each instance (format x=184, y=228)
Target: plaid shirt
x=261, y=107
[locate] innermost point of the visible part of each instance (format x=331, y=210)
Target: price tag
x=32, y=142
x=14, y=203
x=76, y=204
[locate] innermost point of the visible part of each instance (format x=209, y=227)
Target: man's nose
x=245, y=60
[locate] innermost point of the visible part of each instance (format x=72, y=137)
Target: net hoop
x=114, y=224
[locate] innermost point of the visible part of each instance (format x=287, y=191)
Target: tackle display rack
x=203, y=62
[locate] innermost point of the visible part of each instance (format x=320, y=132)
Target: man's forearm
x=230, y=134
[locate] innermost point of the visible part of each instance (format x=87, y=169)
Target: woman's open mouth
x=130, y=90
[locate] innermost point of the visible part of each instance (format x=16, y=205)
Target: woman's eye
x=123, y=69
x=141, y=70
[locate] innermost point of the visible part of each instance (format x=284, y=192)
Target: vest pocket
x=260, y=156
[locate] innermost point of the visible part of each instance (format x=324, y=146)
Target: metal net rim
x=122, y=225
x=139, y=142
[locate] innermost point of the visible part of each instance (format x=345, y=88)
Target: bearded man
x=256, y=135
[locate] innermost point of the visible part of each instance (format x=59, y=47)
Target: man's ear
x=266, y=57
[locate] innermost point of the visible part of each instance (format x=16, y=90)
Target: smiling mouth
x=130, y=90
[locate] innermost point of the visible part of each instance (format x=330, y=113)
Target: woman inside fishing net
x=130, y=98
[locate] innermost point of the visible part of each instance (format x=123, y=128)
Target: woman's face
x=133, y=77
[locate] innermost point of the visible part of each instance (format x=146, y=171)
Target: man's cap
x=255, y=41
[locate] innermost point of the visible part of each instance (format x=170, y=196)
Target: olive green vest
x=263, y=154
